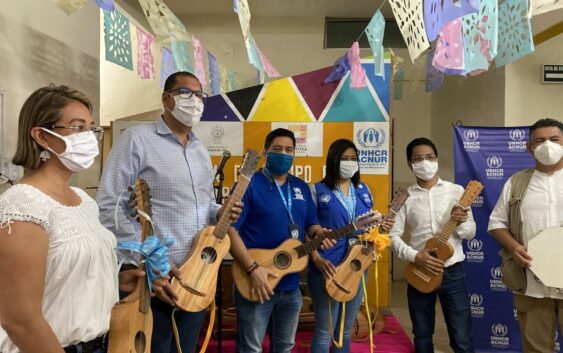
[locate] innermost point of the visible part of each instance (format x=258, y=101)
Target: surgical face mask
x=548, y=153
x=187, y=111
x=278, y=163
x=425, y=169
x=348, y=169
x=80, y=151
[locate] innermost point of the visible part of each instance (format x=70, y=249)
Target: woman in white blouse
x=57, y=262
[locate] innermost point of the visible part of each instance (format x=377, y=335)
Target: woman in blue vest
x=340, y=197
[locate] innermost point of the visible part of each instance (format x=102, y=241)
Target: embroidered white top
x=426, y=212
x=81, y=274
x=542, y=207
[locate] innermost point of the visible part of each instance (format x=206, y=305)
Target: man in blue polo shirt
x=278, y=205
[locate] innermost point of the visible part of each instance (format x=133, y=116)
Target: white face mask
x=348, y=169
x=548, y=153
x=80, y=152
x=188, y=111
x=425, y=169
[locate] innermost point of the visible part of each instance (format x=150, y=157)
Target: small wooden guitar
x=427, y=281
x=344, y=285
x=292, y=255
x=130, y=329
x=196, y=287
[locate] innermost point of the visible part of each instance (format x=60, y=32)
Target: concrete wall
x=40, y=44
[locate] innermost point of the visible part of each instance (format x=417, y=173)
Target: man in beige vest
x=531, y=201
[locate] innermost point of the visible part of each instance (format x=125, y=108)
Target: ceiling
x=309, y=9
x=280, y=8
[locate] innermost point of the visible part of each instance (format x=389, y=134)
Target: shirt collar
x=415, y=186
x=163, y=129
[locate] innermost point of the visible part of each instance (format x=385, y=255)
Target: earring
x=44, y=155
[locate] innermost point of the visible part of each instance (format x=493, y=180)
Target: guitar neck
x=310, y=246
x=447, y=231
x=144, y=292
x=225, y=221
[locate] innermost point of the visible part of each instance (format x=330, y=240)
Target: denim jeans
x=454, y=300
x=281, y=311
x=321, y=337
x=189, y=325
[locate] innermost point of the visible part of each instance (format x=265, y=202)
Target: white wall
x=122, y=92
x=40, y=44
x=527, y=98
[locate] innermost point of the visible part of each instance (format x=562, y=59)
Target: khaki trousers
x=538, y=318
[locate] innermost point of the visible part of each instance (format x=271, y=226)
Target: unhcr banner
x=491, y=156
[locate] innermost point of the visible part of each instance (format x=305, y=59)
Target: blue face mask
x=278, y=163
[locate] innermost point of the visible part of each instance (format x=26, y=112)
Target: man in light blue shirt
x=177, y=167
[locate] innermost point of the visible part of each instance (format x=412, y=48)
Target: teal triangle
x=353, y=105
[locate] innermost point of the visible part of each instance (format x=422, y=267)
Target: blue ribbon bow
x=155, y=253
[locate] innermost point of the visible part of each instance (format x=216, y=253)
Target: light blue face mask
x=278, y=163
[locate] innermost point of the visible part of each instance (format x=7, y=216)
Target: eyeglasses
x=428, y=157
x=98, y=131
x=186, y=93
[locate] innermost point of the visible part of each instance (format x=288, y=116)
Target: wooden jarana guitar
x=427, y=281
x=130, y=329
x=345, y=283
x=292, y=255
x=196, y=287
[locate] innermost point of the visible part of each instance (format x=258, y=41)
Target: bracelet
x=252, y=267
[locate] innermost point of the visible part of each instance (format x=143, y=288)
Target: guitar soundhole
x=208, y=255
x=355, y=265
x=140, y=342
x=282, y=260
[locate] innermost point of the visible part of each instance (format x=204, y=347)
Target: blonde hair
x=42, y=108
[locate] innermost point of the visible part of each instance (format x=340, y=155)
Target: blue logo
x=471, y=135
x=517, y=134
x=370, y=138
x=494, y=162
x=499, y=330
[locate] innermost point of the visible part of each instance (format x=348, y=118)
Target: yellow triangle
x=280, y=102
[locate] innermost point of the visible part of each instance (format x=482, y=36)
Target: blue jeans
x=282, y=311
x=455, y=305
x=321, y=337
x=189, y=325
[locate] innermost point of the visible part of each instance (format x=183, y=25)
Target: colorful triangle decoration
x=379, y=84
x=244, y=99
x=220, y=108
x=315, y=93
x=280, y=101
x=349, y=105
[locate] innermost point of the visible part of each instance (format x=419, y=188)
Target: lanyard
x=349, y=203
x=287, y=202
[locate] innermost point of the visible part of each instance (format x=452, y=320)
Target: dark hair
x=279, y=132
x=418, y=142
x=43, y=107
x=547, y=122
x=335, y=152
x=171, y=80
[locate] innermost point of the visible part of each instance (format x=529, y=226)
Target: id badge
x=294, y=230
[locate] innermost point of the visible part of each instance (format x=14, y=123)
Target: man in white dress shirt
x=431, y=204
x=531, y=201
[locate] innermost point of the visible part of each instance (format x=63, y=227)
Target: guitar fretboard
x=310, y=246
x=144, y=295
x=225, y=221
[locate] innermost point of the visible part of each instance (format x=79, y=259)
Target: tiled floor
x=399, y=308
